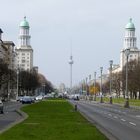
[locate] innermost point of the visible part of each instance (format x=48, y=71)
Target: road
x=10, y=115
x=122, y=123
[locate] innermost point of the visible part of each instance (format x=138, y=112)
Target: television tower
x=71, y=62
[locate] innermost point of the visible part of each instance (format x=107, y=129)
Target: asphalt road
x=10, y=115
x=122, y=123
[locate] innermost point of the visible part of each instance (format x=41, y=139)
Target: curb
x=23, y=117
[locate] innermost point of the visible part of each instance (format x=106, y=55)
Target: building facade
x=24, y=50
x=10, y=54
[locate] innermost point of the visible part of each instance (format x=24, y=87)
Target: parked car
x=1, y=106
x=26, y=100
x=20, y=98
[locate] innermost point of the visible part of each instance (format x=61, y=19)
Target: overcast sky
x=95, y=28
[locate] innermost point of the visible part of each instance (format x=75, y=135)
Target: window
x=23, y=61
x=23, y=53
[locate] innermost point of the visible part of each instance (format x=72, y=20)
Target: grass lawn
x=52, y=120
x=121, y=101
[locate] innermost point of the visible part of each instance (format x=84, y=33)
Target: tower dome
x=130, y=25
x=24, y=23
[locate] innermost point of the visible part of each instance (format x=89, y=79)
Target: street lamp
x=127, y=52
x=89, y=86
x=86, y=88
x=94, y=86
x=111, y=63
x=101, y=100
x=17, y=84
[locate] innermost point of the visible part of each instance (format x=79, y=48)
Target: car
x=26, y=100
x=1, y=107
x=20, y=98
x=39, y=97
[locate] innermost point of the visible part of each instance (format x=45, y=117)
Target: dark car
x=1, y=107
x=26, y=100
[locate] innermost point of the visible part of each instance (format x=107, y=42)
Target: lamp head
x=127, y=51
x=111, y=62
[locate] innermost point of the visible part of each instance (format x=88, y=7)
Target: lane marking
x=109, y=115
x=132, y=123
x=123, y=120
x=138, y=116
x=124, y=112
x=115, y=117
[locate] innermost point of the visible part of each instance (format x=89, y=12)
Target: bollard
x=75, y=107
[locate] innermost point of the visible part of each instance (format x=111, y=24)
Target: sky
x=94, y=29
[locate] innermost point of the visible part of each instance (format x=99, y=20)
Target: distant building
x=3, y=49
x=10, y=54
x=7, y=53
x=130, y=41
x=24, y=50
x=62, y=88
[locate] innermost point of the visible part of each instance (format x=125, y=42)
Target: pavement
x=12, y=115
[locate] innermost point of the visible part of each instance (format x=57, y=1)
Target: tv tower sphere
x=71, y=61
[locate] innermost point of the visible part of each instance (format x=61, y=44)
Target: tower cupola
x=130, y=25
x=24, y=23
x=130, y=39
x=24, y=37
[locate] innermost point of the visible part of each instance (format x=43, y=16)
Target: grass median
x=53, y=120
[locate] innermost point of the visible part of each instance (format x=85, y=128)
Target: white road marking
x=138, y=116
x=115, y=117
x=132, y=123
x=109, y=115
x=123, y=120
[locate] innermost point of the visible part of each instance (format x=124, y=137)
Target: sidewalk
x=115, y=104
x=12, y=116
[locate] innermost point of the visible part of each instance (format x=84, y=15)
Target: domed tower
x=24, y=37
x=130, y=39
x=24, y=50
x=129, y=44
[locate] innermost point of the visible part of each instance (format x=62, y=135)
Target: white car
x=1, y=107
x=40, y=97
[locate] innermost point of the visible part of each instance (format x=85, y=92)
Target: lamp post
x=94, y=86
x=111, y=63
x=86, y=88
x=17, y=84
x=89, y=86
x=127, y=52
x=101, y=100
